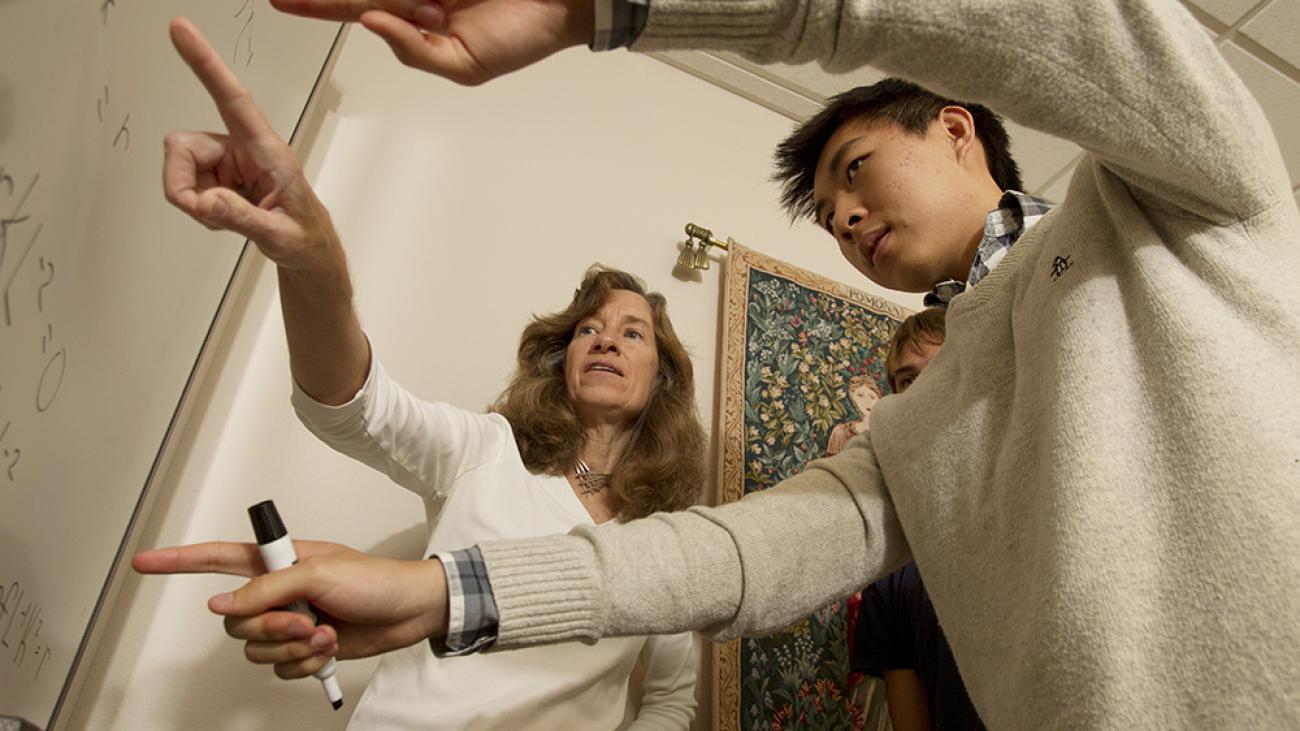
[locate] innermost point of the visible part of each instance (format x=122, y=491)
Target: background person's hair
x=663, y=466
x=902, y=102
x=929, y=325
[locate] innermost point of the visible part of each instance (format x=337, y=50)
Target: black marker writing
x=27, y=643
x=9, y=605
x=40, y=292
x=11, y=457
x=245, y=37
x=14, y=274
x=100, y=104
x=51, y=379
x=45, y=655
x=16, y=217
x=123, y=132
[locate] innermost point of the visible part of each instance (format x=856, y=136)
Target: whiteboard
x=106, y=293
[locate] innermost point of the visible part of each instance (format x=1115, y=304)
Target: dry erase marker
x=277, y=553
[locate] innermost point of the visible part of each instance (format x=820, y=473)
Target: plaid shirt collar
x=1015, y=214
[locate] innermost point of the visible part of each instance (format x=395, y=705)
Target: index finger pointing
x=220, y=557
x=233, y=100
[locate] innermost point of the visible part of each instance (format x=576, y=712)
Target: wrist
x=581, y=22
x=309, y=247
x=320, y=266
x=433, y=598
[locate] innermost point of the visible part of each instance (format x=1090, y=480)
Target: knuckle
x=313, y=569
x=273, y=626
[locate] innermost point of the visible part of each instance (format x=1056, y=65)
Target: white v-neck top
x=467, y=470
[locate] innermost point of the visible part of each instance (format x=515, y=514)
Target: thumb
x=222, y=208
x=437, y=53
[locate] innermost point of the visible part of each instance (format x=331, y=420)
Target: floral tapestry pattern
x=805, y=359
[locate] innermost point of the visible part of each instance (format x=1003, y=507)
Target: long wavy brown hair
x=662, y=467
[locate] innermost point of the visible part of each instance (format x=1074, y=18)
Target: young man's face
x=912, y=359
x=906, y=209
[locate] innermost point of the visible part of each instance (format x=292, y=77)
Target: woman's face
x=612, y=361
x=863, y=397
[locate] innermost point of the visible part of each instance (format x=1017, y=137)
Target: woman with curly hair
x=566, y=400
x=598, y=423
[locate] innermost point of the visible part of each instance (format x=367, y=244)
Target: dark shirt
x=897, y=629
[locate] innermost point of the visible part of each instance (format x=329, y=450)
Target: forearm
x=329, y=355
x=908, y=702
x=750, y=567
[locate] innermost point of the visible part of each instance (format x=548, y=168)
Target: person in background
x=598, y=424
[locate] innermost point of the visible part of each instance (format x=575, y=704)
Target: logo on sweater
x=1059, y=266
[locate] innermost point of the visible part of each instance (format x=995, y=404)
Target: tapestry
x=804, y=363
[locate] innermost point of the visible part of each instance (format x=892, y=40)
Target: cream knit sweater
x=1099, y=476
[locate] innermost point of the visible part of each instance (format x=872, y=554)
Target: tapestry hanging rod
x=695, y=250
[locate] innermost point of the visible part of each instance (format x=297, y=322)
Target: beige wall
x=464, y=211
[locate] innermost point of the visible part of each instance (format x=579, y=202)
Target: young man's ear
x=959, y=127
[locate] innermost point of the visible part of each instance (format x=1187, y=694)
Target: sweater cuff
x=547, y=590
x=746, y=25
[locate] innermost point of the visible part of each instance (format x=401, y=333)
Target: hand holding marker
x=277, y=553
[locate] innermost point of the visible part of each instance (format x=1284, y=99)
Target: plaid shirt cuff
x=618, y=23
x=472, y=616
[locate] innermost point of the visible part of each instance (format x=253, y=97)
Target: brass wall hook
x=695, y=250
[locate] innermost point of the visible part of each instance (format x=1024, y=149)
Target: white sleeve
x=422, y=446
x=670, y=664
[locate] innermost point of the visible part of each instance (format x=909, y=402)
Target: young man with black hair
x=1106, y=518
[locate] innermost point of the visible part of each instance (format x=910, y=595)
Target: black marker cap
x=267, y=525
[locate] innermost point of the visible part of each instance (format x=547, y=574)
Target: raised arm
x=249, y=181
x=1135, y=82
